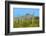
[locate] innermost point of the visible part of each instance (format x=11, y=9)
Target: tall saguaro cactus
x=32, y=16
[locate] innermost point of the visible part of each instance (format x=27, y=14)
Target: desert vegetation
x=26, y=21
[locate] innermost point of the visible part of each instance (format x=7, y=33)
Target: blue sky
x=23, y=11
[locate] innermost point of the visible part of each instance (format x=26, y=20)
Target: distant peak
x=28, y=14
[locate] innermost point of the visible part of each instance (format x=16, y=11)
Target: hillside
x=26, y=21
